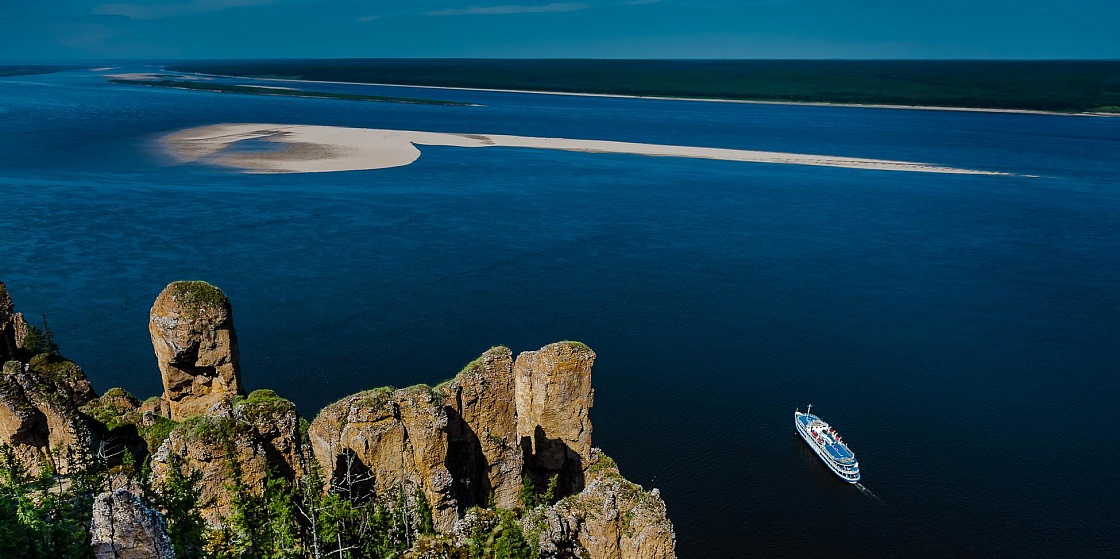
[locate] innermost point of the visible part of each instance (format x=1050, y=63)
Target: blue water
x=960, y=332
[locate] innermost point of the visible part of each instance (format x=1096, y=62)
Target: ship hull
x=848, y=472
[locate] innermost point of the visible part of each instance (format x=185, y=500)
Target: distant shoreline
x=662, y=98
x=154, y=80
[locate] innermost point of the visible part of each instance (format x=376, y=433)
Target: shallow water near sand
x=959, y=331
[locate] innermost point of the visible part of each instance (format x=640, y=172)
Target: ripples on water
x=955, y=329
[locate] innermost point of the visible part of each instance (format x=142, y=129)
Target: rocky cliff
x=499, y=454
x=235, y=448
x=611, y=518
x=482, y=430
x=40, y=398
x=383, y=441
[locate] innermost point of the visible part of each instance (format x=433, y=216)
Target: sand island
x=318, y=149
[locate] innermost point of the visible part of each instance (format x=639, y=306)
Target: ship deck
x=836, y=451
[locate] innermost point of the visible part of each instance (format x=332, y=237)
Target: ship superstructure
x=826, y=442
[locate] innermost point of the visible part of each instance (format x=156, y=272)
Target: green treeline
x=1048, y=85
x=47, y=516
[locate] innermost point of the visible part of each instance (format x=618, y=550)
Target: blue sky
x=92, y=29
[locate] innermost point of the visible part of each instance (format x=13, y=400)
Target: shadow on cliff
x=545, y=457
x=467, y=464
x=111, y=445
x=352, y=478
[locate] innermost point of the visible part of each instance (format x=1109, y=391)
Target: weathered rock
x=224, y=451
x=191, y=324
x=482, y=430
x=466, y=441
x=553, y=400
x=39, y=414
x=611, y=518
x=22, y=425
x=276, y=425
x=13, y=328
x=383, y=441
x=236, y=448
x=123, y=528
x=63, y=377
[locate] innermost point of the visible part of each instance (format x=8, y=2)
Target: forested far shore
x=1040, y=85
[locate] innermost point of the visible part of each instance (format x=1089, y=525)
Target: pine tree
x=282, y=539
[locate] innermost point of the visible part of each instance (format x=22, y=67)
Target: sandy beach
x=319, y=149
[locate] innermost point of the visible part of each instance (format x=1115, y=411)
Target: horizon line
x=460, y=58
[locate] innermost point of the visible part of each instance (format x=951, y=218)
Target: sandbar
x=320, y=149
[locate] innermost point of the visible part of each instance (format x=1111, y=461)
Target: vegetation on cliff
x=45, y=515
x=198, y=294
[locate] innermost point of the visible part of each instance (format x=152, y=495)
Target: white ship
x=828, y=445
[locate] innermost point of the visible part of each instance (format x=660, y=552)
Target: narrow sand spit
x=318, y=149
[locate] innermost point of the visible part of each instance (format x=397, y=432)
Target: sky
x=33, y=30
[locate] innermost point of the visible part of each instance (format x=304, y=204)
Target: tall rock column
x=483, y=428
x=191, y=324
x=553, y=398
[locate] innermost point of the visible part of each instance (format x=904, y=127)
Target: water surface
x=959, y=331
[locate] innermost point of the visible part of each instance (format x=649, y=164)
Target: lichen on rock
x=482, y=430
x=39, y=414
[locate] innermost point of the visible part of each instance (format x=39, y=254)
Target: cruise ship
x=824, y=440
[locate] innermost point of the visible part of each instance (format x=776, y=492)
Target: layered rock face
x=13, y=329
x=554, y=396
x=237, y=447
x=383, y=441
x=123, y=528
x=191, y=324
x=482, y=430
x=467, y=440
